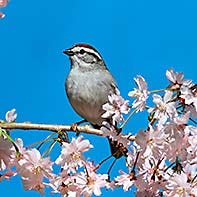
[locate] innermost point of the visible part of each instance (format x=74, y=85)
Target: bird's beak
x=68, y=52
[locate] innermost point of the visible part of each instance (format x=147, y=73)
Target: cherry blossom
x=174, y=143
x=84, y=183
x=131, y=156
x=175, y=78
x=178, y=185
x=151, y=142
x=92, y=182
x=152, y=169
x=72, y=154
x=182, y=119
x=65, y=184
x=33, y=168
x=192, y=149
x=190, y=169
x=20, y=146
x=3, y=3
x=115, y=107
x=111, y=132
x=140, y=93
x=7, y=153
x=125, y=180
x=165, y=107
x=11, y=115
x=190, y=98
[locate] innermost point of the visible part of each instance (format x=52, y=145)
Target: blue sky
x=134, y=37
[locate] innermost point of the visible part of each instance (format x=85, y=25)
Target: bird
x=88, y=85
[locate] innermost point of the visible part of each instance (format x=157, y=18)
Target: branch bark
x=55, y=128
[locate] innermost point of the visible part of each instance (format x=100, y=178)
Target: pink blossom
x=65, y=184
x=3, y=3
x=175, y=78
x=125, y=180
x=115, y=107
x=11, y=115
x=33, y=168
x=179, y=137
x=19, y=143
x=192, y=109
x=140, y=93
x=176, y=142
x=178, y=185
x=131, y=156
x=21, y=149
x=190, y=170
x=72, y=154
x=7, y=153
x=152, y=169
x=165, y=108
x=190, y=98
x=149, y=186
x=92, y=182
x=111, y=132
x=79, y=184
x=149, y=180
x=181, y=120
x=151, y=143
x=192, y=149
x=191, y=130
x=187, y=90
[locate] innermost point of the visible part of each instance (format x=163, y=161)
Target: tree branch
x=55, y=128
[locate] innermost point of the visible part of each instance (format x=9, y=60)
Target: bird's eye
x=82, y=51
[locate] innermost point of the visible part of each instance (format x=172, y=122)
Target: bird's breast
x=87, y=92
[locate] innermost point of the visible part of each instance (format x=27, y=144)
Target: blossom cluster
x=160, y=161
x=77, y=176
